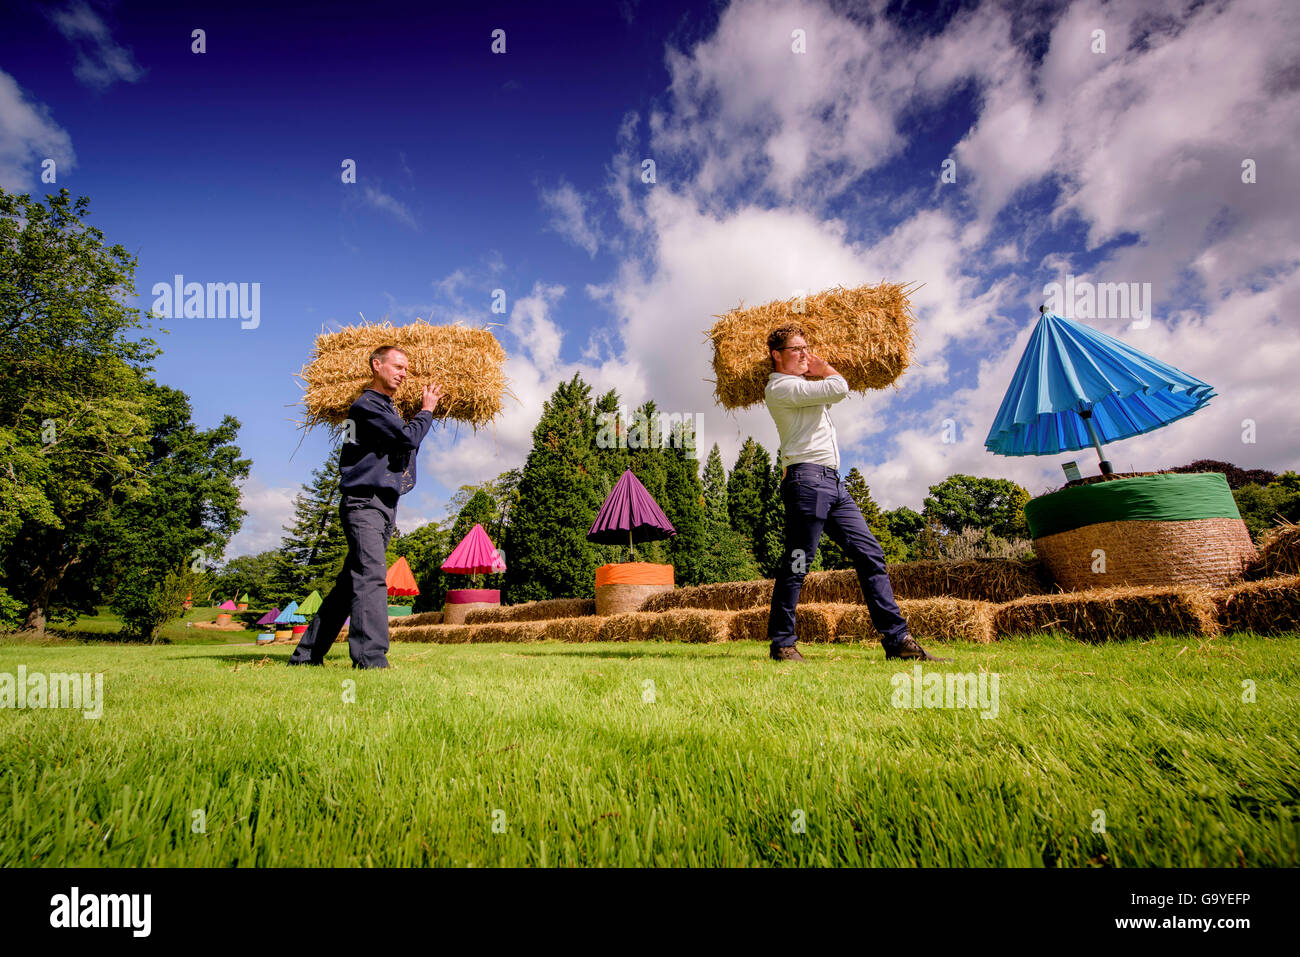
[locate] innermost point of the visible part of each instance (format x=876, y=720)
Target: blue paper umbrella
x=1076, y=387
x=290, y=615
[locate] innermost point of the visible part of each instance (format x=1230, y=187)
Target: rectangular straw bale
x=466, y=363
x=928, y=619
x=1268, y=607
x=981, y=579
x=534, y=611
x=1281, y=552
x=813, y=622
x=507, y=631
x=1112, y=614
x=629, y=626
x=718, y=596
x=408, y=621
x=696, y=625
x=573, y=629
x=865, y=332
x=441, y=634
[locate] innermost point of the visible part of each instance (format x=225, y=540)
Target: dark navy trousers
x=816, y=500
x=360, y=591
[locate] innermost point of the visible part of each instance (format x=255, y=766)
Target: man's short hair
x=381, y=353
x=778, y=337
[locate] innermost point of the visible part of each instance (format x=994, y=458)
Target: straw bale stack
x=866, y=333
x=466, y=363
x=533, y=611
x=1269, y=607
x=1112, y=614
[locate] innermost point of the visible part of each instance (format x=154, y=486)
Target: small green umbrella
x=311, y=604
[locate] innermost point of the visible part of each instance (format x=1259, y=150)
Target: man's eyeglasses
x=803, y=349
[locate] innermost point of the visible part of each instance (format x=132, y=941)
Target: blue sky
x=777, y=169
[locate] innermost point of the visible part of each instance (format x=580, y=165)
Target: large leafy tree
x=904, y=525
x=965, y=501
x=74, y=410
x=246, y=574
x=547, y=552
x=189, y=514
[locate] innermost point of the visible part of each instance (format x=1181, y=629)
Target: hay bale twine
x=622, y=588
x=461, y=601
x=1165, y=529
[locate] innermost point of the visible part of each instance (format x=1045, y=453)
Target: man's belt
x=824, y=469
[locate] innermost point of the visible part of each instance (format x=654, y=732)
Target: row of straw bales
x=994, y=580
x=1266, y=607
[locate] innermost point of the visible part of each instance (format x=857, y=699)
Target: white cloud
x=754, y=142
x=569, y=217
x=28, y=137
x=101, y=60
x=378, y=199
x=269, y=510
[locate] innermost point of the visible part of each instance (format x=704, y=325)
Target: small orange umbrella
x=400, y=579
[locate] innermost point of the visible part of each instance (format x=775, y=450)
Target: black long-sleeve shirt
x=381, y=460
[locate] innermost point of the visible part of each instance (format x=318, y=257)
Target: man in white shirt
x=817, y=500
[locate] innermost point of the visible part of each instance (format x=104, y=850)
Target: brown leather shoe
x=785, y=653
x=908, y=648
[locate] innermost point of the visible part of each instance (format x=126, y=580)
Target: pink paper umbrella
x=475, y=555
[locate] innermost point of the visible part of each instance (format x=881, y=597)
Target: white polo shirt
x=802, y=410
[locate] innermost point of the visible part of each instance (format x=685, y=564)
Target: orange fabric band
x=634, y=573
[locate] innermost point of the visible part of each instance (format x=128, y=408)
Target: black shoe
x=908, y=648
x=785, y=653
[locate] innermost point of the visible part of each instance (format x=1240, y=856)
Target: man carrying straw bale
x=377, y=465
x=817, y=500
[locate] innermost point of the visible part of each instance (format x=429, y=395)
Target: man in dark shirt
x=377, y=466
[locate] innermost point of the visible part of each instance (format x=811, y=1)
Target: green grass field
x=550, y=754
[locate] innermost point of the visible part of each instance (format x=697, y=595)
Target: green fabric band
x=1173, y=497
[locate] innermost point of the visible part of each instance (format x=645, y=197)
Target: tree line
x=111, y=495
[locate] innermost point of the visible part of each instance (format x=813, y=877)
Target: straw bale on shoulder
x=865, y=332
x=468, y=364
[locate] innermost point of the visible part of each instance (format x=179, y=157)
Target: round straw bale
x=617, y=599
x=1202, y=551
x=866, y=333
